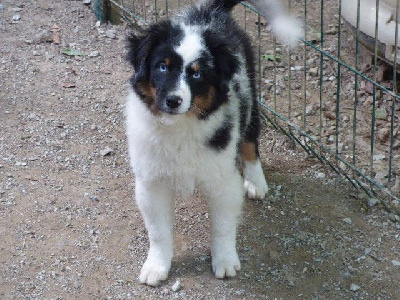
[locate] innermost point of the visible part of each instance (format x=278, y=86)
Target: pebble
x=372, y=202
x=320, y=175
x=354, y=287
x=313, y=71
x=394, y=218
x=45, y=36
x=348, y=221
x=296, y=68
x=16, y=18
x=176, y=286
x=111, y=33
x=379, y=157
x=106, y=151
x=87, y=2
x=396, y=263
x=94, y=54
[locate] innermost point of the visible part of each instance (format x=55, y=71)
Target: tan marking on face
x=203, y=103
x=168, y=61
x=248, y=151
x=149, y=92
x=195, y=66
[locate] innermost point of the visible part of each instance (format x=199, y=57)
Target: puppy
x=192, y=114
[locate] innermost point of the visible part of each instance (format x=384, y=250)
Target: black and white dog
x=192, y=115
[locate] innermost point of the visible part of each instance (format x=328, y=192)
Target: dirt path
x=69, y=227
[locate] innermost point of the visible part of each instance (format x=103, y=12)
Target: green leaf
x=272, y=57
x=72, y=52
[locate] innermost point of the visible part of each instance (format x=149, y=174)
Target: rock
x=320, y=175
x=372, y=202
x=87, y=2
x=354, y=287
x=396, y=263
x=313, y=71
x=379, y=157
x=94, y=198
x=310, y=109
x=394, y=217
x=348, y=221
x=296, y=68
x=111, y=33
x=94, y=54
x=176, y=286
x=45, y=36
x=329, y=115
x=106, y=151
x=16, y=18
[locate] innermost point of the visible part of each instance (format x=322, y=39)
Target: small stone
x=379, y=157
x=87, y=2
x=394, y=218
x=16, y=18
x=94, y=54
x=313, y=71
x=176, y=286
x=296, y=68
x=372, y=202
x=354, y=287
x=45, y=36
x=111, y=33
x=106, y=151
x=320, y=175
x=396, y=263
x=94, y=198
x=348, y=221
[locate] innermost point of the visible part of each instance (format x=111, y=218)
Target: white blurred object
x=285, y=26
x=386, y=32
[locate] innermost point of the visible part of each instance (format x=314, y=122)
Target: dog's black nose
x=173, y=102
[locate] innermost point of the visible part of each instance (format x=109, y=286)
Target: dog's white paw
x=256, y=190
x=153, y=272
x=254, y=180
x=226, y=266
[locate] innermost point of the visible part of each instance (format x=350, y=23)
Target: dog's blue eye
x=163, y=67
x=196, y=75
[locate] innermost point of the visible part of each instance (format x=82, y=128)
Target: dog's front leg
x=156, y=203
x=226, y=198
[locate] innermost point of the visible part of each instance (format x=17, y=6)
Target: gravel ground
x=69, y=226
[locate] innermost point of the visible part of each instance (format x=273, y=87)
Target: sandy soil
x=69, y=226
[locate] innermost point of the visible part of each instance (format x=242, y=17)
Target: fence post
x=101, y=9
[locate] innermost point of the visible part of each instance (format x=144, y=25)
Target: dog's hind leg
x=254, y=178
x=156, y=203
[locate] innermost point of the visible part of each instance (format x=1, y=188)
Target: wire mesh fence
x=336, y=94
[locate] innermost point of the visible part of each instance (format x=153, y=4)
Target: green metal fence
x=335, y=99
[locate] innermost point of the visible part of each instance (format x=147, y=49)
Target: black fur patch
x=222, y=136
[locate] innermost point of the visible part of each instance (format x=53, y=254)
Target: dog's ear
x=225, y=62
x=141, y=47
x=138, y=55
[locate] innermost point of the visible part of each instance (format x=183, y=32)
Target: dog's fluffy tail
x=287, y=28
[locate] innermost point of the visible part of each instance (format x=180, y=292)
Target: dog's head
x=182, y=69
